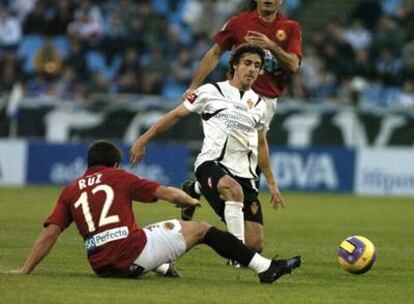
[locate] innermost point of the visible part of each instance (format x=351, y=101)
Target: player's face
x=247, y=71
x=268, y=6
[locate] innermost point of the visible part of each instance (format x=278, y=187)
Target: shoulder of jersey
x=211, y=87
x=208, y=87
x=241, y=17
x=121, y=171
x=290, y=22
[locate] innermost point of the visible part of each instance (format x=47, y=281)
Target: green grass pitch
x=312, y=225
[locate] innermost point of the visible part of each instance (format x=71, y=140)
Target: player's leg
x=253, y=217
x=231, y=192
x=224, y=194
x=254, y=235
x=168, y=240
x=228, y=246
x=165, y=244
x=193, y=233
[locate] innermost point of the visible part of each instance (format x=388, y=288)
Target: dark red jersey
x=100, y=204
x=286, y=33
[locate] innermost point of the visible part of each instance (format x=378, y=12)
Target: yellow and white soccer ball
x=356, y=254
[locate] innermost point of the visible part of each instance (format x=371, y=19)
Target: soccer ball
x=356, y=254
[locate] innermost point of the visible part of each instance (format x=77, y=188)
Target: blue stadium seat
x=292, y=4
x=172, y=91
x=372, y=94
x=390, y=96
x=175, y=16
x=27, y=50
x=161, y=6
x=380, y=96
x=112, y=70
x=390, y=6
x=62, y=44
x=95, y=61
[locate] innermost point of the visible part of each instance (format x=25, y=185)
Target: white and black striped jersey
x=231, y=119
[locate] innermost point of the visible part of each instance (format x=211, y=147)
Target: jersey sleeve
x=140, y=189
x=295, y=40
x=226, y=37
x=197, y=101
x=263, y=122
x=60, y=215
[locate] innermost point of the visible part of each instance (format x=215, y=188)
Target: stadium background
x=73, y=71
x=346, y=125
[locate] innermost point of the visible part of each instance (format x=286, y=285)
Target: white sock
x=197, y=188
x=162, y=269
x=259, y=263
x=234, y=218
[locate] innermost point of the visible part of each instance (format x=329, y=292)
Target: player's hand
x=19, y=271
x=187, y=93
x=276, y=198
x=137, y=152
x=194, y=202
x=259, y=39
x=189, y=203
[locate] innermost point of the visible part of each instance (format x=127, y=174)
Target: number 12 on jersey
x=104, y=219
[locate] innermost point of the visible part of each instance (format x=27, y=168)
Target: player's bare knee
x=205, y=227
x=201, y=229
x=230, y=189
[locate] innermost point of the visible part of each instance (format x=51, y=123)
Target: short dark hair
x=103, y=153
x=240, y=51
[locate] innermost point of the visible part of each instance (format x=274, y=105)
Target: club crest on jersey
x=280, y=35
x=192, y=97
x=169, y=225
x=254, y=207
x=250, y=103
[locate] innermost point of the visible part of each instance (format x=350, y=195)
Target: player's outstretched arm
x=175, y=196
x=264, y=164
x=40, y=249
x=164, y=124
x=207, y=64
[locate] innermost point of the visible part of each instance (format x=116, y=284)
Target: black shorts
x=209, y=173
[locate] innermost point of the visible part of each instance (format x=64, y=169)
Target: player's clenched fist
x=259, y=39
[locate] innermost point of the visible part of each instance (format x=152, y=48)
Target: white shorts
x=165, y=244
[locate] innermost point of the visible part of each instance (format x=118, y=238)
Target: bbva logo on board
x=312, y=171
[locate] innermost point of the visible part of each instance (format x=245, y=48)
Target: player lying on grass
x=100, y=204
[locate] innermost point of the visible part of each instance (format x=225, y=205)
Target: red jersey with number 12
x=100, y=204
x=286, y=33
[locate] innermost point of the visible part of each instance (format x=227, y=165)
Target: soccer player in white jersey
x=234, y=122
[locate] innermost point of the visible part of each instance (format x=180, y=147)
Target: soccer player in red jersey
x=100, y=204
x=264, y=26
